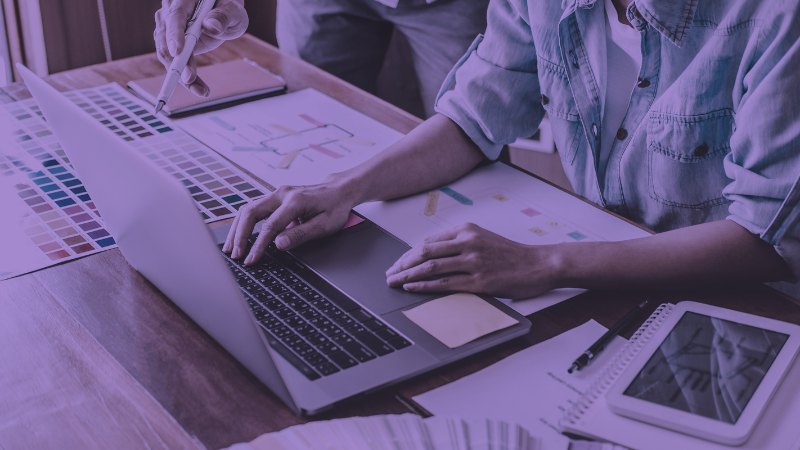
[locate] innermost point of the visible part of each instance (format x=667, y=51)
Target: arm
x=434, y=153
x=471, y=259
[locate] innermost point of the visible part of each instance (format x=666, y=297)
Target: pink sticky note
x=530, y=212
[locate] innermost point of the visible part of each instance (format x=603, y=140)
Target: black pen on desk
x=601, y=343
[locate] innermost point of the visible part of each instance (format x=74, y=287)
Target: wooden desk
x=93, y=356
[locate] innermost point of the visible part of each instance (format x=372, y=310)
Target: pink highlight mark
x=312, y=120
x=353, y=220
x=530, y=212
x=324, y=151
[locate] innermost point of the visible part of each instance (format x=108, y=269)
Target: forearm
x=701, y=255
x=433, y=154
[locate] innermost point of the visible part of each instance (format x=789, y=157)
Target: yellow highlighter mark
x=432, y=203
x=288, y=159
x=284, y=129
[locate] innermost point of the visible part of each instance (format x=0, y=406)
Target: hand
x=319, y=210
x=228, y=20
x=469, y=258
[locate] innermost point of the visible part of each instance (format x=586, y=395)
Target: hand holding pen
x=227, y=20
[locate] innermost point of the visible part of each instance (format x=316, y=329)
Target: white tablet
x=708, y=372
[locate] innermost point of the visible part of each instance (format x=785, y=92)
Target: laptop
x=317, y=325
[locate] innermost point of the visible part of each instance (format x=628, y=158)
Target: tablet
x=707, y=372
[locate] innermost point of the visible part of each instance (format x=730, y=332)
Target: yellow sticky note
x=459, y=318
x=431, y=203
x=538, y=231
x=286, y=130
x=500, y=198
x=554, y=225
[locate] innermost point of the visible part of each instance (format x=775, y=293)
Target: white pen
x=194, y=27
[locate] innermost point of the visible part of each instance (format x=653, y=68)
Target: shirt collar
x=672, y=19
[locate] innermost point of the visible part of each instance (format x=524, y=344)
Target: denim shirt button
x=701, y=150
x=622, y=133
x=545, y=100
x=573, y=58
x=643, y=83
x=594, y=130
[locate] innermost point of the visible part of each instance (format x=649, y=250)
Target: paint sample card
x=58, y=215
x=510, y=203
x=293, y=139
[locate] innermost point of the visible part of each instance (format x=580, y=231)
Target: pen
x=193, y=31
x=601, y=343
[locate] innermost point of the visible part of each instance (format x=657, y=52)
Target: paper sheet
x=530, y=387
x=459, y=318
x=293, y=139
x=507, y=202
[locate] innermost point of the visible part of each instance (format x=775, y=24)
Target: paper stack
x=400, y=432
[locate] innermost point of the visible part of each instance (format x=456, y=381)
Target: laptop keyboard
x=318, y=335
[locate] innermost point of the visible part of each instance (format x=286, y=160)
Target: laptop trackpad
x=357, y=263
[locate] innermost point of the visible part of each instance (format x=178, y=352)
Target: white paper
x=325, y=135
x=512, y=204
x=529, y=388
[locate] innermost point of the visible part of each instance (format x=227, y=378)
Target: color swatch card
x=45, y=203
x=510, y=203
x=293, y=139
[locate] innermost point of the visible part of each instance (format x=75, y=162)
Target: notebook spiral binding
x=614, y=368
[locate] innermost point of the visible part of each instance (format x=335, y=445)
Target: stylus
x=194, y=27
x=601, y=343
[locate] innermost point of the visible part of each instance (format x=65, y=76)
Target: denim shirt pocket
x=559, y=103
x=685, y=158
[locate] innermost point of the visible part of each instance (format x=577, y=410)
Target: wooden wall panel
x=130, y=26
x=72, y=34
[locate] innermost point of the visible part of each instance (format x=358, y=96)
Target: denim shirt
x=712, y=130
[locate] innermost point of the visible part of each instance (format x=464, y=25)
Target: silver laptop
x=317, y=325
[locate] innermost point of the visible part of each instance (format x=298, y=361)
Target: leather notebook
x=228, y=82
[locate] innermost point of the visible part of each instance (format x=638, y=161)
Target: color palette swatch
x=61, y=220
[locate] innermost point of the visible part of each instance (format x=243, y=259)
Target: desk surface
x=94, y=356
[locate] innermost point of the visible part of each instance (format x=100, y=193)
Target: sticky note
x=500, y=198
x=312, y=120
x=459, y=318
x=530, y=212
x=577, y=235
x=288, y=159
x=431, y=203
x=538, y=231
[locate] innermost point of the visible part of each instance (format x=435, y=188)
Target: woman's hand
x=228, y=20
x=319, y=210
x=469, y=258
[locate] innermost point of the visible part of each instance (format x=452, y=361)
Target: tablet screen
x=708, y=366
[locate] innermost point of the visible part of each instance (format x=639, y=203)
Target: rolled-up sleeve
x=764, y=162
x=492, y=93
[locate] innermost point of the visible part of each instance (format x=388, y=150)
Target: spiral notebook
x=591, y=418
x=228, y=82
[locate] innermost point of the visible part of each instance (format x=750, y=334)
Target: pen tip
x=159, y=106
x=572, y=368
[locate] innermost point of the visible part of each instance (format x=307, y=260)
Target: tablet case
x=591, y=418
x=228, y=81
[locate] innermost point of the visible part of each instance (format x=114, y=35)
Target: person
x=350, y=38
x=703, y=148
